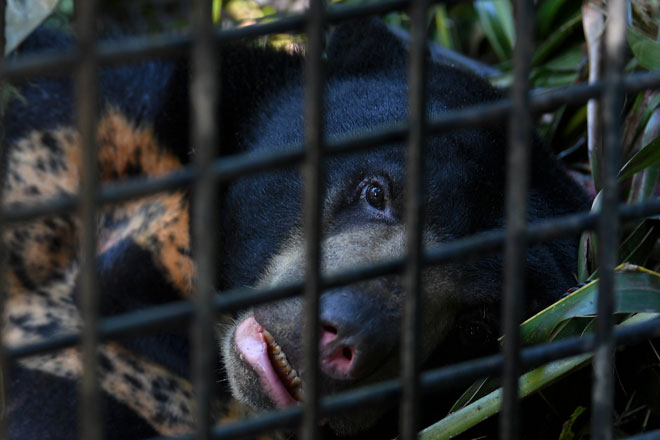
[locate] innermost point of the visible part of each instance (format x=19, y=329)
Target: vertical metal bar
x=204, y=102
x=608, y=222
x=518, y=159
x=313, y=178
x=412, y=317
x=4, y=382
x=86, y=113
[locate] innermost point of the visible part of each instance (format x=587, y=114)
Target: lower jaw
x=253, y=352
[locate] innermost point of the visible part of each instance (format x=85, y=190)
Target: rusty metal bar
x=86, y=101
x=204, y=102
x=313, y=188
x=518, y=161
x=608, y=223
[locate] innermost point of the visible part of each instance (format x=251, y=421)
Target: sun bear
x=144, y=248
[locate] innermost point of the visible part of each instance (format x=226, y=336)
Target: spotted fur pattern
x=144, y=251
x=44, y=261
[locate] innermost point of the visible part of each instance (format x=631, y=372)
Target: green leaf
x=217, y=10
x=646, y=50
x=490, y=404
x=556, y=39
x=530, y=382
x=567, y=429
x=588, y=248
x=583, y=258
x=577, y=121
x=479, y=388
x=637, y=246
x=547, y=11
x=443, y=26
x=23, y=16
x=550, y=78
x=648, y=179
x=568, y=60
x=496, y=19
x=649, y=155
x=637, y=290
x=649, y=107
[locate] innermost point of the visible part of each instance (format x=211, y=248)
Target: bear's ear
x=364, y=46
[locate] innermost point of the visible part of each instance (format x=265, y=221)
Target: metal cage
x=208, y=170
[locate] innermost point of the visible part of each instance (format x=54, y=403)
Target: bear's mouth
x=257, y=348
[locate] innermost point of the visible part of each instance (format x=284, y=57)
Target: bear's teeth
x=297, y=393
x=289, y=376
x=268, y=337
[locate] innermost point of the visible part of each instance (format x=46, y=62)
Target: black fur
x=261, y=111
x=47, y=408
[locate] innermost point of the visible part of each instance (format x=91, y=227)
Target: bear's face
x=363, y=221
x=360, y=323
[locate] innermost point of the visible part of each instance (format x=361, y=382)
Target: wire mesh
x=207, y=172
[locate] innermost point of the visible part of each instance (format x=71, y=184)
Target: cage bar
x=414, y=218
x=608, y=223
x=650, y=435
x=4, y=382
x=313, y=181
x=86, y=113
x=515, y=249
x=204, y=136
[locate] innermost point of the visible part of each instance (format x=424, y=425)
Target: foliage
x=637, y=299
x=23, y=18
x=562, y=57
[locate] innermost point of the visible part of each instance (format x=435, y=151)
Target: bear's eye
x=475, y=332
x=375, y=195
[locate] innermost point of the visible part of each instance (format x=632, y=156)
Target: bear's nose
x=336, y=358
x=355, y=337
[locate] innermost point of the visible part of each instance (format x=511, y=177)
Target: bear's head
x=363, y=221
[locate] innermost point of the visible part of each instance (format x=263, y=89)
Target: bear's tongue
x=260, y=351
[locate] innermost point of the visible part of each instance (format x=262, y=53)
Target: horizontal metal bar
x=230, y=167
x=650, y=435
x=433, y=380
x=180, y=312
